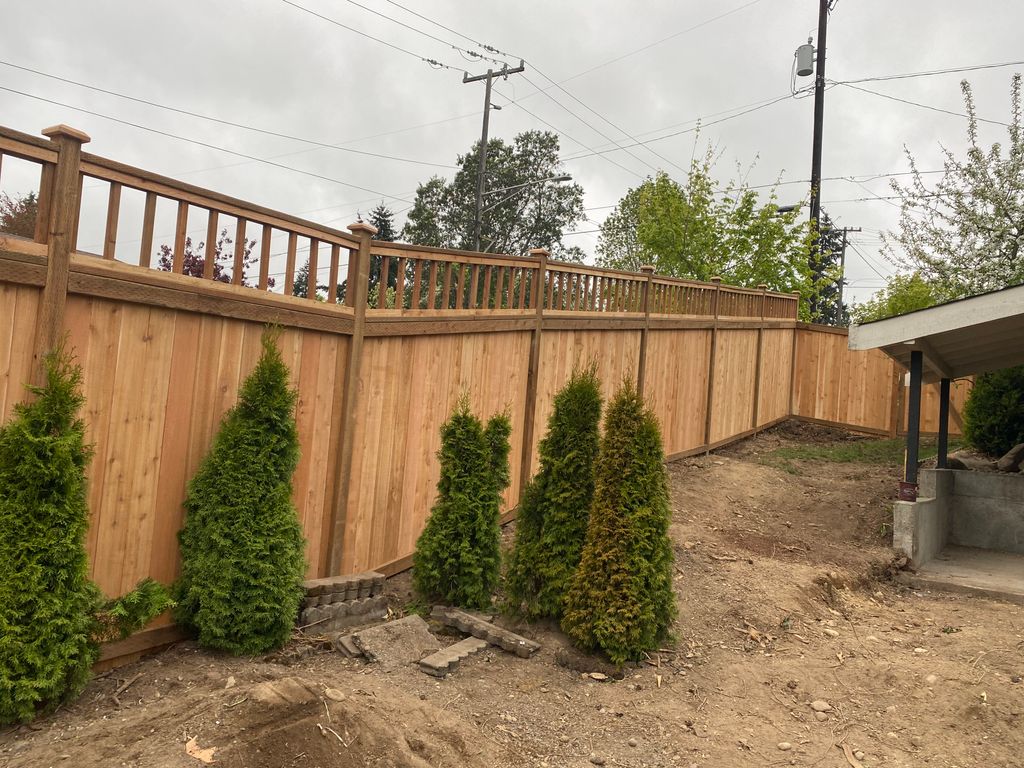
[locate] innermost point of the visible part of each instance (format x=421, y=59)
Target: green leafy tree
x=620, y=598
x=52, y=617
x=994, y=411
x=18, y=214
x=457, y=556
x=964, y=233
x=520, y=214
x=552, y=522
x=692, y=230
x=902, y=294
x=242, y=545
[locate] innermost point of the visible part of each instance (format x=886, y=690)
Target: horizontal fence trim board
x=440, y=327
x=146, y=640
x=453, y=257
x=697, y=450
x=411, y=315
x=22, y=272
x=40, y=153
x=12, y=244
x=595, y=323
x=823, y=328
x=135, y=178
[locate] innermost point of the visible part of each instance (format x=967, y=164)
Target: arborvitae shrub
x=46, y=598
x=242, y=545
x=552, y=522
x=620, y=598
x=458, y=557
x=994, y=411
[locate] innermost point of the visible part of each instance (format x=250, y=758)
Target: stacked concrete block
x=447, y=659
x=484, y=630
x=339, y=602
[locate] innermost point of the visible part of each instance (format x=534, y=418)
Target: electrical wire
x=197, y=142
x=432, y=62
x=931, y=73
x=918, y=104
x=189, y=113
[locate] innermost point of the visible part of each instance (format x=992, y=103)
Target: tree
x=383, y=218
x=552, y=522
x=994, y=411
x=902, y=294
x=52, y=617
x=457, y=557
x=242, y=545
x=964, y=235
x=690, y=230
x=194, y=260
x=18, y=214
x=620, y=597
x=520, y=214
x=827, y=275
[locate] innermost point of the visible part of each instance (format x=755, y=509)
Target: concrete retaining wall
x=921, y=528
x=988, y=511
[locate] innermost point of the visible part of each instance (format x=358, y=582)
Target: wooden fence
x=379, y=355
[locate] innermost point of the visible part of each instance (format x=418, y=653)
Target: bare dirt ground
x=782, y=602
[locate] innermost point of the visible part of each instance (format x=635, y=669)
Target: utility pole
x=842, y=263
x=824, y=6
x=489, y=77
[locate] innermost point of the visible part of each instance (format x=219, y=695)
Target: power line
x=931, y=72
x=277, y=134
x=923, y=106
x=202, y=143
x=432, y=62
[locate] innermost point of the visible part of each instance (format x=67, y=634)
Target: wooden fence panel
x=776, y=375
x=18, y=307
x=157, y=383
x=732, y=406
x=408, y=387
x=676, y=385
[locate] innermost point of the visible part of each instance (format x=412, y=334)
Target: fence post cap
x=647, y=269
x=60, y=129
x=362, y=226
x=716, y=279
x=538, y=252
x=762, y=287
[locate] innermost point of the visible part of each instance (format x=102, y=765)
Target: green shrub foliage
x=552, y=522
x=242, y=545
x=46, y=598
x=620, y=598
x=994, y=411
x=118, y=618
x=458, y=557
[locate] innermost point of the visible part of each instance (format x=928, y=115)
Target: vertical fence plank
x=180, y=238
x=382, y=282
x=432, y=286
x=533, y=374
x=45, y=203
x=757, y=360
x=148, y=221
x=313, y=270
x=265, y=239
x=332, y=280
x=400, y=285
x=446, y=292
x=210, y=247
x=713, y=351
x=113, y=212
x=289, y=266
x=238, y=266
x=461, y=287
x=646, y=301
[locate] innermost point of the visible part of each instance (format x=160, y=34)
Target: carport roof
x=958, y=338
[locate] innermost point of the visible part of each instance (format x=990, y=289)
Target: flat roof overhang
x=959, y=338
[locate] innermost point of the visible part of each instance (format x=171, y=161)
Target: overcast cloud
x=267, y=64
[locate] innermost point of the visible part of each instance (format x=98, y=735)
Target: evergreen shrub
x=458, y=556
x=242, y=545
x=994, y=411
x=552, y=522
x=52, y=617
x=620, y=598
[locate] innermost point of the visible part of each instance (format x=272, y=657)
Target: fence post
x=757, y=364
x=642, y=363
x=356, y=290
x=711, y=360
x=792, y=356
x=62, y=223
x=537, y=295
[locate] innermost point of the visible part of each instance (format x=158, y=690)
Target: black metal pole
x=914, y=416
x=819, y=122
x=943, y=446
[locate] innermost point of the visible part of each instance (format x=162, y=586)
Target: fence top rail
x=26, y=147
x=110, y=170
x=409, y=251
x=586, y=269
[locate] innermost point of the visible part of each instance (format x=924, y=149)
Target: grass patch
x=851, y=452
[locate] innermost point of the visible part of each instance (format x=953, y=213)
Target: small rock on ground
x=785, y=746
x=821, y=706
x=597, y=760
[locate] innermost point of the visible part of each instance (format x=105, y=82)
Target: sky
x=341, y=73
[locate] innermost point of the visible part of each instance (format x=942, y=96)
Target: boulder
x=1012, y=460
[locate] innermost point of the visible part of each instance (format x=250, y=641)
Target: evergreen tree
x=620, y=598
x=994, y=411
x=242, y=545
x=458, y=556
x=552, y=522
x=46, y=598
